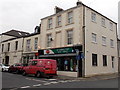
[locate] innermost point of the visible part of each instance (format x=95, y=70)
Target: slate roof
x=16, y=33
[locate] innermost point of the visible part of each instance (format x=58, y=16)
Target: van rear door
x=50, y=67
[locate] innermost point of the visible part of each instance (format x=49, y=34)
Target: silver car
x=4, y=67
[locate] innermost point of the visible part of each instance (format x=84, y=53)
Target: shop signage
x=60, y=51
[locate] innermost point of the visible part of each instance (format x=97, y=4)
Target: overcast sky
x=24, y=15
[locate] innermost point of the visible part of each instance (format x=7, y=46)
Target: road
x=15, y=81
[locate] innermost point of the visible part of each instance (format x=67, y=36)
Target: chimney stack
x=57, y=9
x=79, y=3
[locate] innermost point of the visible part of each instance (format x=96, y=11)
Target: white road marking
x=39, y=80
x=25, y=87
x=69, y=81
x=37, y=85
x=54, y=82
x=62, y=81
x=47, y=83
x=51, y=79
x=28, y=79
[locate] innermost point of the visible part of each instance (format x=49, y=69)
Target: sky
x=24, y=15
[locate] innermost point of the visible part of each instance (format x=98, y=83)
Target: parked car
x=4, y=67
x=17, y=67
x=41, y=68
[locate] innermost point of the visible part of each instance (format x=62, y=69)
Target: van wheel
x=24, y=73
x=38, y=74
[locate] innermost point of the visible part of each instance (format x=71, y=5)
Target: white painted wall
x=98, y=48
x=119, y=19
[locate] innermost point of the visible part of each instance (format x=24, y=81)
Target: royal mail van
x=41, y=67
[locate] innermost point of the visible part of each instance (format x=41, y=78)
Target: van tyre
x=38, y=74
x=24, y=73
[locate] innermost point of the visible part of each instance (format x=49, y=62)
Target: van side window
x=34, y=63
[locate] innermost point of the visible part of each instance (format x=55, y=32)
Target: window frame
x=50, y=23
x=111, y=43
x=69, y=37
x=59, y=20
x=49, y=41
x=113, y=61
x=103, y=22
x=104, y=60
x=16, y=45
x=94, y=38
x=36, y=43
x=70, y=17
x=28, y=45
x=93, y=17
x=8, y=47
x=2, y=47
x=111, y=26
x=104, y=41
x=94, y=60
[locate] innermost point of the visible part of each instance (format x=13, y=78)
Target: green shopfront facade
x=66, y=57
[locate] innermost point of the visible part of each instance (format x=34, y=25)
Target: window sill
x=58, y=26
x=112, y=46
x=49, y=28
x=94, y=42
x=104, y=45
x=69, y=24
x=94, y=21
x=69, y=44
x=104, y=66
x=111, y=29
x=104, y=26
x=94, y=65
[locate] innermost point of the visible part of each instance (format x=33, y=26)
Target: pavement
x=97, y=77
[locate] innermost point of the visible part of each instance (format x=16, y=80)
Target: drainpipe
x=22, y=49
x=83, y=28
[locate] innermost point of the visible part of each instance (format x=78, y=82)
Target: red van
x=41, y=67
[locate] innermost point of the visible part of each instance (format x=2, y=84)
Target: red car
x=41, y=67
x=17, y=68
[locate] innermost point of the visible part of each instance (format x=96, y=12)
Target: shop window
x=67, y=64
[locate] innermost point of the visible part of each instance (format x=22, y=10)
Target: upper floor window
x=93, y=17
x=103, y=40
x=16, y=45
x=111, y=43
x=28, y=45
x=94, y=37
x=49, y=40
x=2, y=47
x=70, y=17
x=36, y=44
x=50, y=23
x=70, y=37
x=59, y=18
x=8, y=46
x=103, y=22
x=111, y=25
